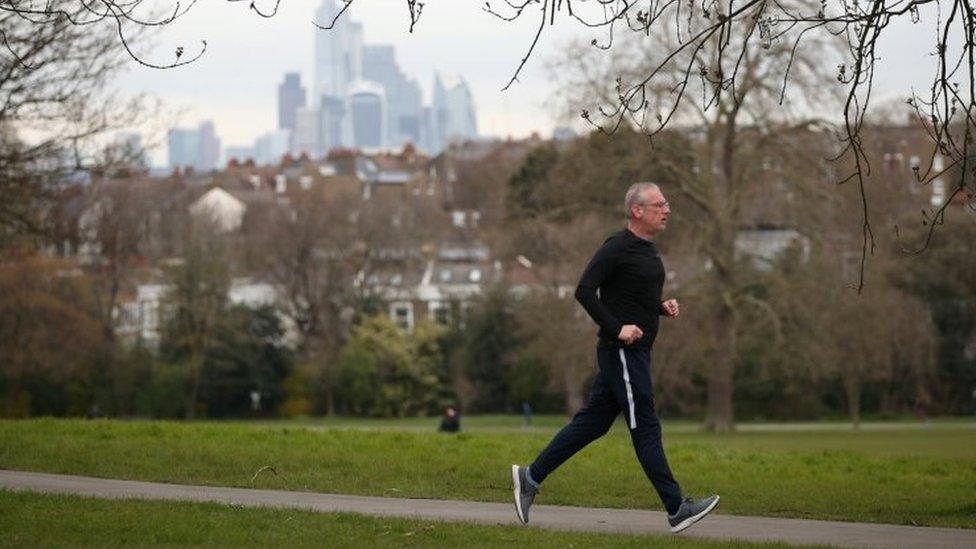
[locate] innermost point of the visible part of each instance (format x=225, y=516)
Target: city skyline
x=234, y=83
x=359, y=97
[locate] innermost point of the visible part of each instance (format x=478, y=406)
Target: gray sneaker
x=690, y=512
x=524, y=493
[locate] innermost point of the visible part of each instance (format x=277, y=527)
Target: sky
x=235, y=82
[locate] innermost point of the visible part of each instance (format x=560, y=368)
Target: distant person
x=629, y=275
x=921, y=405
x=526, y=414
x=450, y=421
x=94, y=411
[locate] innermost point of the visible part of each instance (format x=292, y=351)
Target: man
x=629, y=274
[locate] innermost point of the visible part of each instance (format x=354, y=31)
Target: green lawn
x=901, y=474
x=35, y=520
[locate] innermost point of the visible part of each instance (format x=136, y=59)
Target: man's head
x=647, y=209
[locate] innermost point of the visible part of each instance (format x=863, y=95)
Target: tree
x=322, y=253
x=524, y=187
x=548, y=326
x=50, y=337
x=194, y=308
x=387, y=372
x=946, y=280
x=713, y=47
x=246, y=354
x=489, y=352
x=742, y=137
x=54, y=105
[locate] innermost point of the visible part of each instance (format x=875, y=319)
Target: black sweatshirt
x=629, y=273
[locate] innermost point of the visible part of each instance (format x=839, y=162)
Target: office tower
x=453, y=115
x=367, y=106
x=334, y=126
x=291, y=97
x=198, y=149
x=428, y=131
x=209, y=147
x=271, y=146
x=183, y=147
x=338, y=61
x=305, y=138
x=403, y=95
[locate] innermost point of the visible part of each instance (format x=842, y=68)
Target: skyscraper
x=270, y=147
x=338, y=53
x=334, y=124
x=403, y=96
x=344, y=65
x=184, y=145
x=306, y=137
x=453, y=112
x=209, y=146
x=367, y=105
x=291, y=96
x=198, y=149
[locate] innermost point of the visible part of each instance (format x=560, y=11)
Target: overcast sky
x=235, y=82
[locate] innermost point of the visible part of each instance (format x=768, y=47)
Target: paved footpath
x=844, y=534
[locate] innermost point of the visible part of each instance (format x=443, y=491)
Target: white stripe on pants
x=632, y=420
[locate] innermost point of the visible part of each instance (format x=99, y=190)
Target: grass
x=36, y=520
x=908, y=475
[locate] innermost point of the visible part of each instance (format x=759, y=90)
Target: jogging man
x=629, y=274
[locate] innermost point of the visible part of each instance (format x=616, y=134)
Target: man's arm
x=594, y=275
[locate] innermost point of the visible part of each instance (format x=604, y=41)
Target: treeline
x=804, y=344
x=815, y=352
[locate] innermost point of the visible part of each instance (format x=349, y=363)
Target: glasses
x=659, y=205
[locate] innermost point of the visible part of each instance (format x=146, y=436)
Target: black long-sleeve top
x=629, y=274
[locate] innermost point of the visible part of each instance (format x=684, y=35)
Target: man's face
x=652, y=213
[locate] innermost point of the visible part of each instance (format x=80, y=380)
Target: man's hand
x=630, y=333
x=671, y=308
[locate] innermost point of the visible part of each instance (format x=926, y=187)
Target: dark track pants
x=623, y=384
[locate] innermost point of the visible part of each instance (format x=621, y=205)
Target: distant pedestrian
x=526, y=414
x=255, y=401
x=94, y=411
x=621, y=290
x=450, y=421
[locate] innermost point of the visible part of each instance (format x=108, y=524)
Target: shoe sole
x=516, y=490
x=695, y=518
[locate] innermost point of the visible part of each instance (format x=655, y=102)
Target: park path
x=722, y=527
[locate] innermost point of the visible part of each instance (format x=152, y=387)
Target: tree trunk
x=571, y=390
x=191, y=403
x=720, y=416
x=852, y=385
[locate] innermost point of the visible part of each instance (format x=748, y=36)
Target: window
x=458, y=218
x=401, y=312
x=440, y=312
x=149, y=311
x=475, y=275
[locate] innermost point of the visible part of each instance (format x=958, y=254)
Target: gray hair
x=634, y=193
